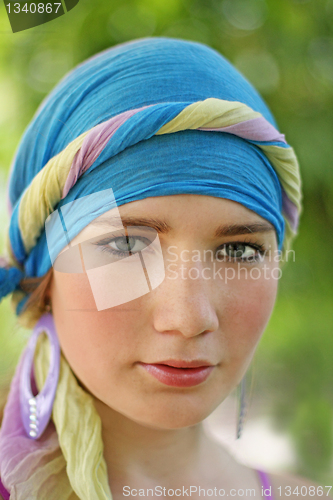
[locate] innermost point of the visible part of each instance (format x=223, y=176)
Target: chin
x=171, y=422
x=172, y=416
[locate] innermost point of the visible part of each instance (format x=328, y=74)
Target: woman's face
x=210, y=309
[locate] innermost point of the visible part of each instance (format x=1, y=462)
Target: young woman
x=151, y=200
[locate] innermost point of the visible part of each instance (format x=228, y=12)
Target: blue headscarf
x=135, y=163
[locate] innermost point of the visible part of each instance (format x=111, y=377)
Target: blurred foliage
x=285, y=48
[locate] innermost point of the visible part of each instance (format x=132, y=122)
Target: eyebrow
x=163, y=227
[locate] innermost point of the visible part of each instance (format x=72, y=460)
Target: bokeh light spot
x=245, y=14
x=261, y=68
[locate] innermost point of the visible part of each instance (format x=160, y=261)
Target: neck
x=137, y=454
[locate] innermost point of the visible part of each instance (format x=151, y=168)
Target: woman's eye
x=237, y=251
x=130, y=244
x=124, y=245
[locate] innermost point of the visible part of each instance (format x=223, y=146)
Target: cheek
x=94, y=342
x=71, y=293
x=250, y=304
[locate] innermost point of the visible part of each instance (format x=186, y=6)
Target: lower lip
x=178, y=377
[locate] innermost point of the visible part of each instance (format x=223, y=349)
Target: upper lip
x=180, y=363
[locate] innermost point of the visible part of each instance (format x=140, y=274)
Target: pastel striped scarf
x=54, y=181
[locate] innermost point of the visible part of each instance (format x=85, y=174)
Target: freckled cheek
x=72, y=291
x=250, y=305
x=97, y=353
x=94, y=342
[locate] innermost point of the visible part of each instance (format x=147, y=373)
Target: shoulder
x=292, y=487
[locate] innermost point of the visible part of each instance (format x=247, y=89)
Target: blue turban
x=162, y=76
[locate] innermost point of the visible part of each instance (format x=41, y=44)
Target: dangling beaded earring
x=241, y=406
x=36, y=410
x=48, y=307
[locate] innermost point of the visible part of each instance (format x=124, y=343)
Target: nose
x=184, y=304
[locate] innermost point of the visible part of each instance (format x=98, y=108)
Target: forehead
x=208, y=216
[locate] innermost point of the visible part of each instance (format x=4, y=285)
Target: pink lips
x=180, y=373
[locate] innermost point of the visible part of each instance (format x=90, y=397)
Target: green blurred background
x=285, y=48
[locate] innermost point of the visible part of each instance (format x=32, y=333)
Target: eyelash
x=119, y=253
x=259, y=247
